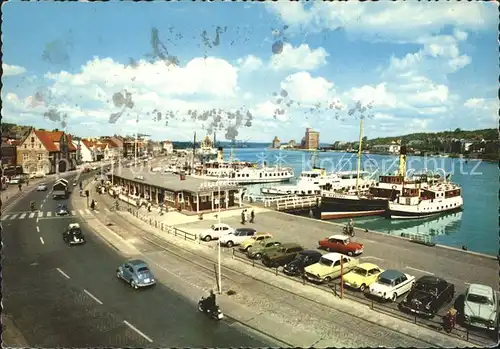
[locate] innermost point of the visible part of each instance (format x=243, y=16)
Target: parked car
x=341, y=244
x=31, y=176
x=283, y=255
x=215, y=232
x=136, y=273
x=256, y=251
x=329, y=267
x=391, y=284
x=481, y=307
x=236, y=238
x=362, y=276
x=428, y=295
x=73, y=235
x=302, y=259
x=39, y=175
x=14, y=181
x=62, y=210
x=41, y=187
x=245, y=245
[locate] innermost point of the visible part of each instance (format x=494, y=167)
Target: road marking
x=370, y=241
x=37, y=229
x=420, y=270
x=43, y=243
x=5, y=217
x=371, y=257
x=87, y=211
x=40, y=214
x=49, y=214
x=63, y=273
x=13, y=216
x=92, y=296
x=73, y=213
x=22, y=215
x=32, y=214
x=136, y=330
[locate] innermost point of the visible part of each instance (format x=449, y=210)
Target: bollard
x=253, y=262
x=150, y=221
x=233, y=253
x=371, y=305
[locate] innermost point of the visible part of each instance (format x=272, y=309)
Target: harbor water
x=476, y=227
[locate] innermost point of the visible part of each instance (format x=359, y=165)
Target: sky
x=251, y=71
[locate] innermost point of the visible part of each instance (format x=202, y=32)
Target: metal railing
x=298, y=202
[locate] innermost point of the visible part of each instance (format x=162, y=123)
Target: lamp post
x=218, y=252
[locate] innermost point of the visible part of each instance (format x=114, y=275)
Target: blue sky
x=406, y=67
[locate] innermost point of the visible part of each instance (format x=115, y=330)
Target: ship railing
x=419, y=238
x=297, y=202
x=268, y=202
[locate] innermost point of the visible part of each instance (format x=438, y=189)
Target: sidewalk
x=304, y=321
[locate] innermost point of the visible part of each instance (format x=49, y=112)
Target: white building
x=392, y=148
x=87, y=151
x=168, y=147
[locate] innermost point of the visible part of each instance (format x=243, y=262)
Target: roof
x=88, y=143
x=333, y=256
x=430, y=280
x=112, y=143
x=137, y=263
x=310, y=252
x=71, y=146
x=46, y=140
x=368, y=266
x=167, y=181
x=339, y=237
x=481, y=290
x=391, y=274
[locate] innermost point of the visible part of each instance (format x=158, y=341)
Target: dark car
x=302, y=259
x=73, y=235
x=283, y=255
x=428, y=295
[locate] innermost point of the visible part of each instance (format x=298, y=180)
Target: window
x=25, y=157
x=32, y=139
x=40, y=157
x=39, y=146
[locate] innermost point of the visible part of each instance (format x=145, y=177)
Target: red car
x=341, y=244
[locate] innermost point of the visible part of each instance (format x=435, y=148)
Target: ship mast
x=359, y=153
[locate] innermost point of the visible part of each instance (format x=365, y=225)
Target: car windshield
x=384, y=281
x=360, y=271
x=475, y=298
x=142, y=270
x=326, y=262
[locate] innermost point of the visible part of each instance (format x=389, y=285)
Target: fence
x=388, y=308
x=163, y=227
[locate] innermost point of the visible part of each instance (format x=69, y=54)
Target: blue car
x=136, y=273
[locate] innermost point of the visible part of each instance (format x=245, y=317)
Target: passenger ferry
x=315, y=181
x=426, y=202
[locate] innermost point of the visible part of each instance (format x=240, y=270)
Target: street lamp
x=218, y=250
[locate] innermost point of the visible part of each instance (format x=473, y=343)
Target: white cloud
x=378, y=96
x=299, y=58
x=486, y=109
x=11, y=70
x=304, y=88
x=387, y=21
x=250, y=63
x=267, y=110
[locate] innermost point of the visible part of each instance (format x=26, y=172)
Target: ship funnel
x=220, y=154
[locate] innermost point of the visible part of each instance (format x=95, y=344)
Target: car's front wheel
x=118, y=274
x=133, y=285
x=394, y=297
x=229, y=243
x=257, y=256
x=208, y=238
x=327, y=280
x=349, y=253
x=362, y=288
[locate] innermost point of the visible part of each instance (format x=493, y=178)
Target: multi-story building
x=87, y=150
x=168, y=147
x=112, y=150
x=276, y=143
x=311, y=139
x=46, y=152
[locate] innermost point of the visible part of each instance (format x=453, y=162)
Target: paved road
x=61, y=296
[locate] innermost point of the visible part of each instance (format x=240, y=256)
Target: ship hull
x=336, y=208
x=398, y=214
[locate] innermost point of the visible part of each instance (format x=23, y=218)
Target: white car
x=15, y=181
x=391, y=284
x=237, y=237
x=481, y=307
x=39, y=175
x=215, y=232
x=41, y=187
x=32, y=175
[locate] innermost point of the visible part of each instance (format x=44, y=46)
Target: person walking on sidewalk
x=252, y=216
x=243, y=217
x=20, y=186
x=92, y=204
x=149, y=207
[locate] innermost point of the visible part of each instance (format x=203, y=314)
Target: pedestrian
x=252, y=216
x=149, y=207
x=20, y=186
x=92, y=204
x=242, y=217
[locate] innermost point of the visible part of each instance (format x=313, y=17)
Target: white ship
x=315, y=181
x=240, y=172
x=427, y=201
